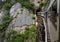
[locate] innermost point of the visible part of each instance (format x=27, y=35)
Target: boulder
x=14, y=9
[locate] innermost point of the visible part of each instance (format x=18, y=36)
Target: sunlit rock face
x=14, y=9
x=21, y=18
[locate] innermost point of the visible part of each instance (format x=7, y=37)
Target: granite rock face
x=21, y=18
x=14, y=9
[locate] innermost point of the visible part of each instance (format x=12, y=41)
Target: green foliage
x=12, y=32
x=0, y=6
x=13, y=36
x=46, y=3
x=33, y=17
x=3, y=35
x=21, y=1
x=6, y=20
x=43, y=4
x=26, y=4
x=28, y=35
x=12, y=1
x=7, y=5
x=21, y=9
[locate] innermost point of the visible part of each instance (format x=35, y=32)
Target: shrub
x=26, y=4
x=33, y=16
x=44, y=4
x=29, y=34
x=7, y=5
x=6, y=20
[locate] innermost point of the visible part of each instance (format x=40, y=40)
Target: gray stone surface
x=20, y=18
x=23, y=19
x=14, y=8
